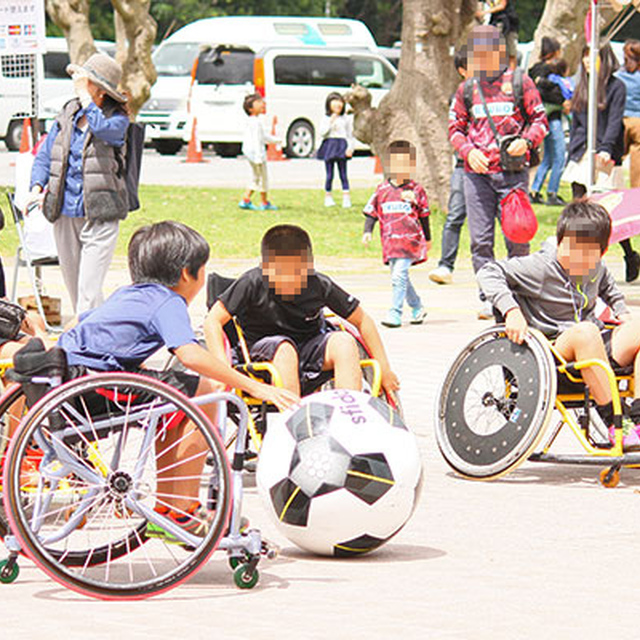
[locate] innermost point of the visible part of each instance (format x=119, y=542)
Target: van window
x=55, y=64
x=330, y=71
x=291, y=28
x=224, y=66
x=334, y=29
x=175, y=59
x=371, y=73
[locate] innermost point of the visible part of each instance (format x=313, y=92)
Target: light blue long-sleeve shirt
x=632, y=82
x=111, y=130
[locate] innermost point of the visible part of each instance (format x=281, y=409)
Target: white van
x=294, y=62
x=53, y=85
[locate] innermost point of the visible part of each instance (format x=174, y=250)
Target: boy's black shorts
x=311, y=355
x=607, y=335
x=186, y=383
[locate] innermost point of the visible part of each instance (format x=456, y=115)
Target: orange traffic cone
x=194, y=150
x=273, y=153
x=23, y=165
x=377, y=168
x=25, y=140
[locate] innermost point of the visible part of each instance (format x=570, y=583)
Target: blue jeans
x=554, y=152
x=455, y=219
x=401, y=285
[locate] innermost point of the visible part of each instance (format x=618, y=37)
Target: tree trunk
x=135, y=33
x=416, y=108
x=564, y=20
x=72, y=16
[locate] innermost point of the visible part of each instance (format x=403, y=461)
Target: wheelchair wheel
x=495, y=404
x=118, y=451
x=12, y=410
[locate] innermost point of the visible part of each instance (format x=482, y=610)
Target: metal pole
x=592, y=123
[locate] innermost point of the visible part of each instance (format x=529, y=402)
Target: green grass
x=234, y=233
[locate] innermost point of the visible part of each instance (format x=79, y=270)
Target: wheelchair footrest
x=596, y=461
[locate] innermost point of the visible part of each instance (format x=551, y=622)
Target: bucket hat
x=103, y=71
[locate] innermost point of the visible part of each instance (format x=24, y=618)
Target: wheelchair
x=267, y=372
x=498, y=398
x=87, y=479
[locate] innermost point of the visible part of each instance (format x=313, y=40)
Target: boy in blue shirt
x=167, y=265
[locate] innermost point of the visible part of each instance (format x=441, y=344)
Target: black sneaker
x=536, y=198
x=554, y=200
x=632, y=267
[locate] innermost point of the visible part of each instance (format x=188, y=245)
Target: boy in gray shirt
x=555, y=291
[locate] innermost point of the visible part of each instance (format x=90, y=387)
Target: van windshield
x=175, y=59
x=225, y=66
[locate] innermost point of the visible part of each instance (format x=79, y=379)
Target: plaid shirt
x=399, y=209
x=467, y=133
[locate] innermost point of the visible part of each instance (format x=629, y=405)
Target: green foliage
x=529, y=12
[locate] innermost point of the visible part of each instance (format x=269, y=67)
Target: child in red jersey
x=401, y=207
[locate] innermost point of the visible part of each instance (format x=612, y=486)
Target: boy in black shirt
x=280, y=307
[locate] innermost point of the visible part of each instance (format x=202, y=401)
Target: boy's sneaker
x=247, y=204
x=329, y=201
x=346, y=201
x=486, y=312
x=418, y=315
x=197, y=522
x=630, y=435
x=554, y=200
x=393, y=320
x=536, y=198
x=441, y=275
x=267, y=206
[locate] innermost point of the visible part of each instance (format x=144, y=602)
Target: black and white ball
x=340, y=473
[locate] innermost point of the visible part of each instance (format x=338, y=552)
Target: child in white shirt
x=254, y=150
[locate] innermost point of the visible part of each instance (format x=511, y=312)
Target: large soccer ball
x=340, y=473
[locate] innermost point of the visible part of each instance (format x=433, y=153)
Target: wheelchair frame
x=244, y=549
x=598, y=453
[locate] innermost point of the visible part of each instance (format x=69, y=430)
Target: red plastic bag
x=519, y=222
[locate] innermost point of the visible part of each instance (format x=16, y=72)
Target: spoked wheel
x=495, y=403
x=125, y=460
x=12, y=409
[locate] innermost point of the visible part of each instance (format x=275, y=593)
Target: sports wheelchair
x=267, y=372
x=87, y=479
x=498, y=398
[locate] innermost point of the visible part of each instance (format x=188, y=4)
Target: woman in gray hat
x=79, y=176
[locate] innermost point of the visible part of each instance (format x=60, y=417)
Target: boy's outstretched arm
x=367, y=328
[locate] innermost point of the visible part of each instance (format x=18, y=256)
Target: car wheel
x=227, y=149
x=14, y=134
x=167, y=147
x=300, y=140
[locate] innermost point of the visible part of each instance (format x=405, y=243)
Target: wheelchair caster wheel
x=610, y=478
x=235, y=561
x=9, y=571
x=245, y=577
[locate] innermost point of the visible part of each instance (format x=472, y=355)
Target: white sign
x=22, y=26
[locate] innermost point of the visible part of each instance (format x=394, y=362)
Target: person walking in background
x=630, y=75
x=79, y=175
x=456, y=210
x=401, y=207
x=502, y=14
x=555, y=103
x=612, y=96
x=495, y=98
x=336, y=131
x=254, y=149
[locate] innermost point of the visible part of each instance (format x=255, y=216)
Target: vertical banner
x=22, y=26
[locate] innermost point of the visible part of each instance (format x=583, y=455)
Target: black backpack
x=132, y=161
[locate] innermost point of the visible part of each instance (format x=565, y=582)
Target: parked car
x=293, y=62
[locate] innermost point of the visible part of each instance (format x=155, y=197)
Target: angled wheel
x=495, y=404
x=118, y=451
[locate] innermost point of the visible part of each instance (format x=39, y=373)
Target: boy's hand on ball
x=517, y=147
x=281, y=398
x=515, y=325
x=478, y=162
x=366, y=238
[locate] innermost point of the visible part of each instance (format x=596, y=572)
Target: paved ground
x=227, y=172
x=544, y=553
